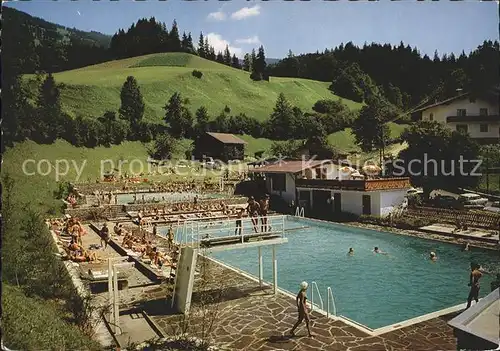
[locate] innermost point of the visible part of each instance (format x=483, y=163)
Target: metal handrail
x=329, y=294
x=313, y=284
x=192, y=231
x=299, y=212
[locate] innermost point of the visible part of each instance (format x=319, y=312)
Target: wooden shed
x=219, y=146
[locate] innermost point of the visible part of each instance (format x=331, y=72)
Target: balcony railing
x=474, y=118
x=359, y=185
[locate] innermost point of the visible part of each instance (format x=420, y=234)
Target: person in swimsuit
x=253, y=210
x=433, y=256
x=475, y=275
x=170, y=237
x=105, y=237
x=154, y=229
x=302, y=309
x=378, y=251
x=351, y=252
x=264, y=208
x=237, y=231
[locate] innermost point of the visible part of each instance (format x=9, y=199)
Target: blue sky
x=300, y=26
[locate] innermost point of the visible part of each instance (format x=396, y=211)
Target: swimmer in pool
x=351, y=252
x=378, y=251
x=433, y=256
x=465, y=247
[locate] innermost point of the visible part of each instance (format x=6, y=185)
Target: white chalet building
x=322, y=187
x=477, y=115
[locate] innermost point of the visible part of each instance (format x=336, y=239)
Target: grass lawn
x=344, y=140
x=84, y=166
x=255, y=145
x=92, y=90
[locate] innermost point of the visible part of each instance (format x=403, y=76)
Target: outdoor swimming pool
x=123, y=199
x=371, y=289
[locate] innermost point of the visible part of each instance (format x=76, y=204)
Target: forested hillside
x=400, y=73
x=33, y=44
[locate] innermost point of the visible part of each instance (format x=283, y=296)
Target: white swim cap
x=304, y=285
x=433, y=253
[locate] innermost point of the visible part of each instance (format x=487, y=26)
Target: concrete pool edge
x=419, y=319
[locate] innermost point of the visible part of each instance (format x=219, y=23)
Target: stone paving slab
x=253, y=318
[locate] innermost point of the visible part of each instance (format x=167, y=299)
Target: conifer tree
x=132, y=103
x=201, y=46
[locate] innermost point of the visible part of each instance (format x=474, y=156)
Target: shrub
x=197, y=74
x=31, y=324
x=163, y=147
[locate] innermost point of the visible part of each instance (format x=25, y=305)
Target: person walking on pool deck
x=302, y=309
x=475, y=275
x=253, y=209
x=264, y=207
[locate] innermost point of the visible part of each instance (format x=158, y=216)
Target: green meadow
x=92, y=90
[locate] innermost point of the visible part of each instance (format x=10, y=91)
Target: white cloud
x=219, y=44
x=216, y=16
x=249, y=40
x=246, y=12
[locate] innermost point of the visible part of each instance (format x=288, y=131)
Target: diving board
x=197, y=236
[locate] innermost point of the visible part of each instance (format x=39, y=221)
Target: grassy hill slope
x=344, y=140
x=92, y=90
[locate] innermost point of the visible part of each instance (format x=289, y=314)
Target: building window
x=431, y=117
x=462, y=128
x=279, y=182
x=318, y=173
x=483, y=112
x=461, y=112
x=483, y=128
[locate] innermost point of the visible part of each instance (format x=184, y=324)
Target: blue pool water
x=375, y=290
x=123, y=199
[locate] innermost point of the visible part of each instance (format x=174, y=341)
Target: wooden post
x=116, y=302
x=261, y=268
x=110, y=288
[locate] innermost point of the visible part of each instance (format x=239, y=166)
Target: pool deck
x=252, y=318
x=475, y=234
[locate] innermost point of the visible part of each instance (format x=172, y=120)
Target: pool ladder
x=330, y=299
x=299, y=212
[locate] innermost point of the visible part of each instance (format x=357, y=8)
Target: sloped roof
x=227, y=138
x=492, y=92
x=447, y=101
x=289, y=166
